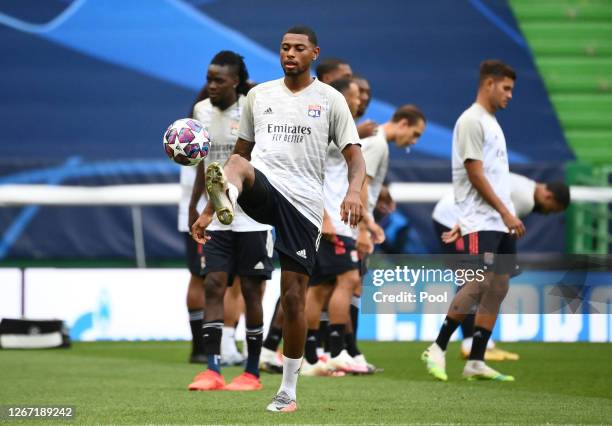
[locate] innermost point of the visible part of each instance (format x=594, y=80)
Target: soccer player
x=242, y=249
x=337, y=262
x=481, y=182
x=276, y=176
x=189, y=206
x=527, y=196
x=404, y=129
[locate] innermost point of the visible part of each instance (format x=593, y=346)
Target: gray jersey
x=478, y=136
x=376, y=154
x=291, y=132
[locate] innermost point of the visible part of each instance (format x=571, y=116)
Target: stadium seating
x=572, y=44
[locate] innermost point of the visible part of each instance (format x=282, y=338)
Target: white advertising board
x=10, y=293
x=119, y=304
x=115, y=304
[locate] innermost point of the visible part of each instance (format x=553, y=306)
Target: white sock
x=232, y=193
x=291, y=371
x=475, y=363
x=437, y=347
x=228, y=346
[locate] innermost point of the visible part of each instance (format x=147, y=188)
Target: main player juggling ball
x=276, y=175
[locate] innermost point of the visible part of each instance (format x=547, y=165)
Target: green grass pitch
x=146, y=383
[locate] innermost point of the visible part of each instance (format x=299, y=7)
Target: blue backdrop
x=89, y=86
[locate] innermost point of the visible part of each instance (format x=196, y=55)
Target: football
x=186, y=142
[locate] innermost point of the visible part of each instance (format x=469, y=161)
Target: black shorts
x=495, y=251
x=247, y=254
x=334, y=258
x=195, y=258
x=296, y=237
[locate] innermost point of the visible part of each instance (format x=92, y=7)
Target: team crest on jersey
x=314, y=111
x=234, y=128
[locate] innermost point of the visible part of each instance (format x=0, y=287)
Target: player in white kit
x=276, y=175
x=231, y=74
x=404, y=128
x=242, y=249
x=528, y=197
x=481, y=182
x=337, y=263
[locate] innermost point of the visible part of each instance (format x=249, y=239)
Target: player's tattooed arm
x=244, y=148
x=351, y=209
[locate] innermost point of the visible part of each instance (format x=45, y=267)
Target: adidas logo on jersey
x=301, y=253
x=258, y=265
x=268, y=111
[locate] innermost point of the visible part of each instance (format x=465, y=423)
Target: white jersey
x=222, y=126
x=335, y=186
x=376, y=155
x=478, y=136
x=522, y=192
x=291, y=132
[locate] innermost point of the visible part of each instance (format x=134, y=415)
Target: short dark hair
x=342, y=84
x=328, y=65
x=496, y=69
x=232, y=59
x=410, y=113
x=560, y=191
x=359, y=77
x=307, y=31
